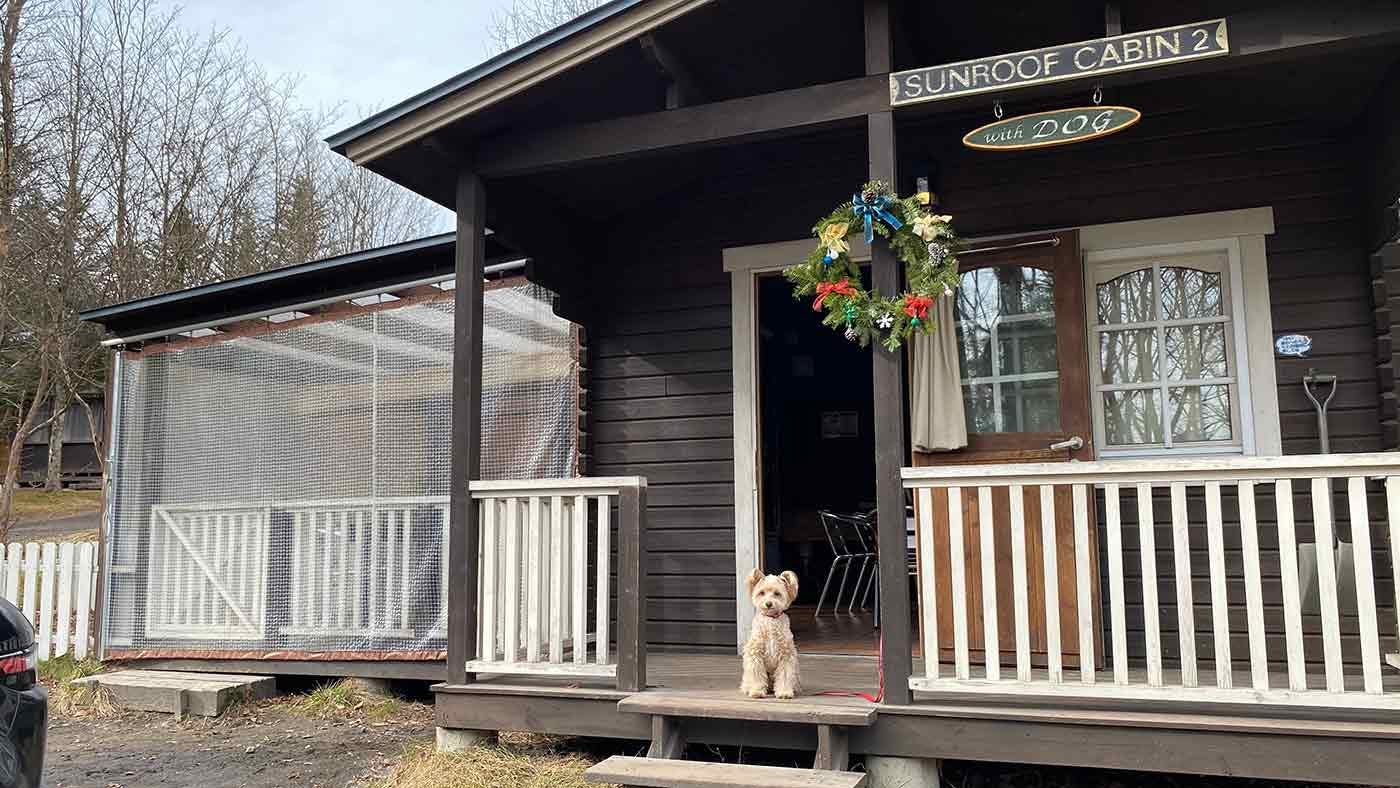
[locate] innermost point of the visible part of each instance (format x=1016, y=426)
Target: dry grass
x=67, y=699
x=346, y=698
x=519, y=761
x=31, y=505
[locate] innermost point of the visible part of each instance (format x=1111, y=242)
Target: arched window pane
x=1127, y=298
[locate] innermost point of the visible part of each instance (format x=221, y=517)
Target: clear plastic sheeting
x=284, y=493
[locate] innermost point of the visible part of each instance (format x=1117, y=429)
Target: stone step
x=661, y=773
x=729, y=705
x=180, y=692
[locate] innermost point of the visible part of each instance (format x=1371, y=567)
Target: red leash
x=880, y=662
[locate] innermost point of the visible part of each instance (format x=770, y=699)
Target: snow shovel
x=1313, y=382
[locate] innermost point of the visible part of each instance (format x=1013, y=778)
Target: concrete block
x=462, y=739
x=890, y=772
x=179, y=692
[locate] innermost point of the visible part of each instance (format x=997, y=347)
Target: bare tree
x=522, y=20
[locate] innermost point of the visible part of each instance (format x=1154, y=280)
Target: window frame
x=1239, y=353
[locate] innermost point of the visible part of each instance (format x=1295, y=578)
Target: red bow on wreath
x=917, y=306
x=824, y=289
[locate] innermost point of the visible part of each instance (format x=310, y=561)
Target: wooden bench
x=661, y=773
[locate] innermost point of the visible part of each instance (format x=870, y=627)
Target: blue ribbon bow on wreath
x=867, y=211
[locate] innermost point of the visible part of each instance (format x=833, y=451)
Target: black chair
x=845, y=533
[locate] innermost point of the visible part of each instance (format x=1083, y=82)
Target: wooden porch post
x=889, y=397
x=463, y=536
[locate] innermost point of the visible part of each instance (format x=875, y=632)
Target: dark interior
x=817, y=427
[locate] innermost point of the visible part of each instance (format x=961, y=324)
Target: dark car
x=24, y=703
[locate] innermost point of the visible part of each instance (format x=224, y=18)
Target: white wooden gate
x=207, y=572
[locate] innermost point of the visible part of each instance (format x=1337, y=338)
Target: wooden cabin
x=280, y=458
x=1137, y=557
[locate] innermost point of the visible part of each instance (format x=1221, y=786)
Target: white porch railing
x=352, y=565
x=546, y=553
x=1139, y=666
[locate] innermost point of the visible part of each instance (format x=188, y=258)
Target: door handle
x=1073, y=443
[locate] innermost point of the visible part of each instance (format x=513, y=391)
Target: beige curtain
x=937, y=421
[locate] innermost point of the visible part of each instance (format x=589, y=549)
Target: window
x=1005, y=317
x=1167, y=337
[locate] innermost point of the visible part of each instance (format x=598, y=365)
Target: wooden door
x=1024, y=362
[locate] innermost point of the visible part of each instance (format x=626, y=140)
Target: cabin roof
x=339, y=140
x=343, y=275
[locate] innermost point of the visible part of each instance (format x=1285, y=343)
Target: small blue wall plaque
x=1293, y=345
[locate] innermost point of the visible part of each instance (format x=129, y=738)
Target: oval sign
x=1057, y=127
x=1293, y=345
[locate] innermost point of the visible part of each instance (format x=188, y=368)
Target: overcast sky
x=364, y=54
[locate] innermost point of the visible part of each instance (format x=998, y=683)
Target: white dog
x=770, y=655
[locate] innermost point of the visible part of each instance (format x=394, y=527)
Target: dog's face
x=772, y=595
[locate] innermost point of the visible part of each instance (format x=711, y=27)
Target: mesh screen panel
x=285, y=494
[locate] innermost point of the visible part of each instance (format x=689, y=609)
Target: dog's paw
x=784, y=694
x=756, y=694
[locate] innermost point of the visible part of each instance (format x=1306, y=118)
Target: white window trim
x=1240, y=235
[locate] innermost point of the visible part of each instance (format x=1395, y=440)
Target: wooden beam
x=463, y=538
x=681, y=87
x=1112, y=20
x=1257, y=37
x=631, y=589
x=888, y=376
x=785, y=111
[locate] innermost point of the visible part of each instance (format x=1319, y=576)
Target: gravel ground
x=268, y=746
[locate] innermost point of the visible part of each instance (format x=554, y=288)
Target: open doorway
x=817, y=469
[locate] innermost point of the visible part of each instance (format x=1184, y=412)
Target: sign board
x=1293, y=345
x=1056, y=127
x=1068, y=61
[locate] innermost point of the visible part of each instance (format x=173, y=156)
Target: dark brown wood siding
x=661, y=377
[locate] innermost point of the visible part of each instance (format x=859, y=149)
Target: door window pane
x=1201, y=413
x=1027, y=346
x=1132, y=417
x=1126, y=299
x=1188, y=293
x=1128, y=356
x=1007, y=355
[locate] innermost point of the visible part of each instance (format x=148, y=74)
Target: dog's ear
x=755, y=577
x=790, y=578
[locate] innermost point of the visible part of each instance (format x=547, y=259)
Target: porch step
x=179, y=692
x=728, y=705
x=660, y=773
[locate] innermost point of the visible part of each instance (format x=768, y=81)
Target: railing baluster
x=1219, y=604
x=1049, y=548
x=376, y=616
x=1151, y=608
x=534, y=599
x=602, y=613
x=1292, y=601
x=342, y=567
x=1327, y=583
x=391, y=540
x=1083, y=578
x=1113, y=521
x=1019, y=583
x=1365, y=585
x=1185, y=606
x=991, y=647
x=1253, y=588
x=1392, y=513
x=358, y=557
x=405, y=550
x=578, y=590
x=489, y=556
x=928, y=592
x=556, y=579
x=512, y=589
x=958, y=581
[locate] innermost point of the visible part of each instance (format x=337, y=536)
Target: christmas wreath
x=924, y=241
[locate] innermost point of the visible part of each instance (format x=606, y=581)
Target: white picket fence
x=55, y=586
